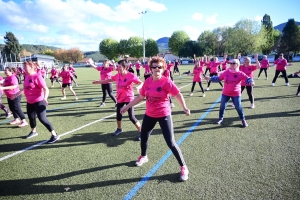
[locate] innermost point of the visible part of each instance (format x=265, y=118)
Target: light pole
x=142, y=13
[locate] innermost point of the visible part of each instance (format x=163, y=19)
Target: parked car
x=296, y=58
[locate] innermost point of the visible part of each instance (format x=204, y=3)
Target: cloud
x=212, y=19
x=258, y=18
x=197, y=16
x=192, y=32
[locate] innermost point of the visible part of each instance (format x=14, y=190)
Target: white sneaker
x=258, y=78
x=267, y=78
x=252, y=106
x=184, y=173
x=172, y=105
x=287, y=84
x=203, y=95
x=207, y=89
x=191, y=94
x=102, y=104
x=9, y=115
x=76, y=98
x=273, y=84
x=63, y=98
x=141, y=160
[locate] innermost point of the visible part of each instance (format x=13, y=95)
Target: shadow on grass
x=38, y=185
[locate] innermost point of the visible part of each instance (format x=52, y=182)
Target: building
x=83, y=62
x=43, y=60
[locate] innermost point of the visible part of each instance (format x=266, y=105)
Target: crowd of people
x=156, y=88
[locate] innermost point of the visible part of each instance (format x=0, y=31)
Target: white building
x=41, y=59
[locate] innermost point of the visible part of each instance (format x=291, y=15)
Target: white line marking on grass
x=66, y=133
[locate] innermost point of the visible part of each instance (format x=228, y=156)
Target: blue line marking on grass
x=144, y=180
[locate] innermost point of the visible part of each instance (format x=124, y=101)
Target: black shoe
x=117, y=132
x=53, y=139
x=31, y=134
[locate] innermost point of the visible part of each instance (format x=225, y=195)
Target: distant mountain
x=163, y=40
x=280, y=27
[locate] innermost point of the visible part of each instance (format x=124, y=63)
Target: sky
x=85, y=23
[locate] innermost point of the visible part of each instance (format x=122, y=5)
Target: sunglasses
x=232, y=63
x=154, y=67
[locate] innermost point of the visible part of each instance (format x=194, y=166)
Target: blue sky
x=84, y=24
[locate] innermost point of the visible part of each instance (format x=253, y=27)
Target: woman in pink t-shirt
x=125, y=81
x=214, y=69
x=137, y=68
x=36, y=93
x=10, y=88
x=156, y=89
x=147, y=72
x=197, y=73
x=264, y=66
x=281, y=64
x=248, y=69
x=54, y=76
x=105, y=73
x=232, y=89
x=66, y=76
x=2, y=106
x=169, y=67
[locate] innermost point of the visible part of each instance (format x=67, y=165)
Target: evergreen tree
x=12, y=47
x=268, y=30
x=290, y=40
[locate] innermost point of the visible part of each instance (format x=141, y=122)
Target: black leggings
x=38, y=109
x=206, y=70
x=15, y=107
x=107, y=88
x=130, y=112
x=263, y=69
x=249, y=92
x=166, y=126
x=283, y=75
x=193, y=86
x=138, y=72
x=298, y=91
x=3, y=107
x=211, y=75
x=171, y=76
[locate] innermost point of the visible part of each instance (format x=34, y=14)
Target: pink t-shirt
x=248, y=70
x=33, y=88
x=232, y=82
x=169, y=66
x=281, y=64
x=157, y=96
x=264, y=63
x=54, y=73
x=137, y=65
x=41, y=71
x=105, y=72
x=202, y=64
x=224, y=65
x=10, y=81
x=66, y=76
x=147, y=68
x=124, y=84
x=197, y=74
x=72, y=70
x=214, y=67
x=166, y=73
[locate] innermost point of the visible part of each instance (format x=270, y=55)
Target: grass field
x=225, y=161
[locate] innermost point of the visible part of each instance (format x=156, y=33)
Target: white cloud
x=192, y=32
x=212, y=19
x=258, y=18
x=197, y=16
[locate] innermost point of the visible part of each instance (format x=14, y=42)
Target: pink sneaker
x=23, y=124
x=184, y=173
x=16, y=121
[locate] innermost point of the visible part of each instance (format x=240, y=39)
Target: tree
x=123, y=47
x=12, y=45
x=74, y=55
x=290, y=40
x=151, y=48
x=190, y=48
x=135, y=45
x=48, y=52
x=109, y=48
x=177, y=41
x=267, y=31
x=208, y=41
x=61, y=55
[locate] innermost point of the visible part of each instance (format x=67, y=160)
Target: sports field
x=225, y=161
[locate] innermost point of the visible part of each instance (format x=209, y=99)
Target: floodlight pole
x=142, y=13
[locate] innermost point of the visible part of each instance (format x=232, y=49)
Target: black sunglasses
x=232, y=63
x=154, y=67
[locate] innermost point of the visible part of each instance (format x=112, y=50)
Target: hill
x=280, y=27
x=33, y=48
